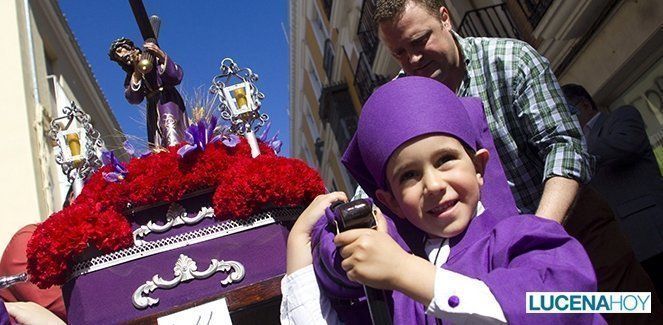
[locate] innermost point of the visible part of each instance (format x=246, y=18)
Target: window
x=313, y=75
x=319, y=29
x=310, y=121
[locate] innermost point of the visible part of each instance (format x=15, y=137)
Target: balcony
x=491, y=21
x=365, y=79
x=336, y=110
x=328, y=59
x=534, y=10
x=367, y=30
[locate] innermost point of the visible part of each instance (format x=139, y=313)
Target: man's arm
x=556, y=135
x=559, y=193
x=133, y=91
x=170, y=72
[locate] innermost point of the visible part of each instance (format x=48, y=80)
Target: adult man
x=537, y=140
x=627, y=175
x=166, y=116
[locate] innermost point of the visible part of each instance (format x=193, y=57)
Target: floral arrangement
x=99, y=215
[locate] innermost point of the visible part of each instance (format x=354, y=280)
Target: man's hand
x=299, y=240
x=559, y=193
x=155, y=49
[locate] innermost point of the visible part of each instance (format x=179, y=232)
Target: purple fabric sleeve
x=540, y=256
x=4, y=316
x=171, y=75
x=327, y=260
x=133, y=97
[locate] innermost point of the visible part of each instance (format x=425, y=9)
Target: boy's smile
x=434, y=184
x=443, y=208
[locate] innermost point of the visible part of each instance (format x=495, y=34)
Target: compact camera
x=354, y=214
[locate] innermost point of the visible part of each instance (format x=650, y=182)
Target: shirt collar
x=592, y=121
x=437, y=249
x=480, y=209
x=464, y=47
x=468, y=53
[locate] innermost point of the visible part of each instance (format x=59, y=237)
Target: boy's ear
x=388, y=199
x=480, y=162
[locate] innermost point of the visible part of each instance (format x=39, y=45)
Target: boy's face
x=434, y=184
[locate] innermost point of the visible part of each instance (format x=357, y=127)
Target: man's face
x=585, y=111
x=434, y=184
x=423, y=44
x=127, y=54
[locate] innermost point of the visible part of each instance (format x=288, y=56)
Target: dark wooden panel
x=256, y=303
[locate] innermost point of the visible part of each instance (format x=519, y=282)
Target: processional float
x=195, y=230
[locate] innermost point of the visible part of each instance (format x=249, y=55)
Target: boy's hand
x=299, y=239
x=371, y=257
x=375, y=259
x=315, y=211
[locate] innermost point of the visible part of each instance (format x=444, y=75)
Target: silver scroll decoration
x=171, y=129
x=175, y=216
x=186, y=270
x=233, y=77
x=93, y=143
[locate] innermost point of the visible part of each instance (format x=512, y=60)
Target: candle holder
x=239, y=101
x=239, y=98
x=78, y=142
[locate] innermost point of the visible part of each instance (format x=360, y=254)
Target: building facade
x=335, y=63
x=43, y=71
x=614, y=48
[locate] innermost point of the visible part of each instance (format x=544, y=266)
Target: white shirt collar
x=437, y=249
x=592, y=121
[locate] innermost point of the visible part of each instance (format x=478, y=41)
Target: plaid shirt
x=535, y=135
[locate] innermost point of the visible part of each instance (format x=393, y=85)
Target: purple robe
x=512, y=255
x=166, y=113
x=4, y=316
x=497, y=196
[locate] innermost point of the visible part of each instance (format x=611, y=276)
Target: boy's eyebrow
x=399, y=169
x=439, y=152
x=447, y=150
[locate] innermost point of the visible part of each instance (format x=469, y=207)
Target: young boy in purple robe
x=166, y=113
x=444, y=256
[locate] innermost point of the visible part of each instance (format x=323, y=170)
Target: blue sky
x=197, y=35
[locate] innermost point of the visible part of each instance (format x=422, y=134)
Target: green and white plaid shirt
x=535, y=135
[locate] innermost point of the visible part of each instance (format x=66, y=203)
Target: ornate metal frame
x=175, y=216
x=186, y=270
x=92, y=143
x=252, y=119
x=149, y=248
